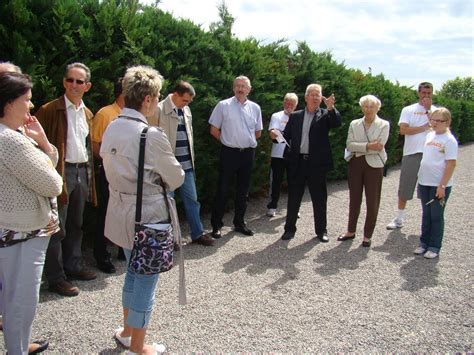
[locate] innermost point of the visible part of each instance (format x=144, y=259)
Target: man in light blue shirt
x=237, y=123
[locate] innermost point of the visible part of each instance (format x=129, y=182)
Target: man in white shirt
x=279, y=165
x=67, y=122
x=414, y=126
x=237, y=123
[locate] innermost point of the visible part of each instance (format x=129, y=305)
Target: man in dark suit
x=309, y=155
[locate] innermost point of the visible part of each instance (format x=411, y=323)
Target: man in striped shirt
x=174, y=117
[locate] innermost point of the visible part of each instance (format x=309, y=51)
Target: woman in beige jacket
x=119, y=151
x=366, y=144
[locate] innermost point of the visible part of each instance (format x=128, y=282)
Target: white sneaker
x=159, y=349
x=419, y=251
x=124, y=341
x=430, y=254
x=396, y=223
x=271, y=212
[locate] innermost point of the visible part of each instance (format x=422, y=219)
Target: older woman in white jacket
x=29, y=185
x=119, y=151
x=366, y=144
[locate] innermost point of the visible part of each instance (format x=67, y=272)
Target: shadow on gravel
x=275, y=256
x=419, y=273
x=398, y=246
x=341, y=257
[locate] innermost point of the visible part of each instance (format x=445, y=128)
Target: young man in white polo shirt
x=414, y=126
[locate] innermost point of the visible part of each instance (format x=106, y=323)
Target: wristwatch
x=442, y=186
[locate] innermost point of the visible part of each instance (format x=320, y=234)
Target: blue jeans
x=138, y=295
x=432, y=224
x=187, y=192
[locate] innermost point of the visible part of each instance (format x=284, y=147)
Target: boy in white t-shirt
x=413, y=125
x=435, y=180
x=279, y=165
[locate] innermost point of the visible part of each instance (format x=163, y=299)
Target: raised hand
x=35, y=131
x=329, y=102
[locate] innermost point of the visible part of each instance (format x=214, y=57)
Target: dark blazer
x=320, y=156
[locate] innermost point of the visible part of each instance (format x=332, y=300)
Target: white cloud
x=404, y=39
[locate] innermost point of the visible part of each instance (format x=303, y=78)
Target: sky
x=408, y=41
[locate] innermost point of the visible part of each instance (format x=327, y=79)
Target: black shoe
x=43, y=345
x=106, y=266
x=323, y=237
x=216, y=233
x=288, y=235
x=244, y=230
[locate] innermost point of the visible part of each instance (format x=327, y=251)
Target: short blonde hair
x=291, y=96
x=138, y=82
x=313, y=87
x=444, y=113
x=370, y=98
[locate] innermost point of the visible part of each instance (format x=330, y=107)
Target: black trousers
x=100, y=242
x=233, y=162
x=316, y=182
x=278, y=168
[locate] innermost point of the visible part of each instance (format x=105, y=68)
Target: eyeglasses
x=78, y=81
x=433, y=120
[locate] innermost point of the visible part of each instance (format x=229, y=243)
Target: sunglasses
x=78, y=81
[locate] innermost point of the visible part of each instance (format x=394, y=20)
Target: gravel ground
x=261, y=294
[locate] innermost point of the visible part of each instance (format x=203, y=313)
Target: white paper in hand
x=279, y=138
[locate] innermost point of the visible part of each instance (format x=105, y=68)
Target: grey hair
x=313, y=87
x=244, y=78
x=9, y=67
x=80, y=66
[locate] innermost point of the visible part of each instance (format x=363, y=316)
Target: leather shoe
x=205, y=240
x=216, y=233
x=106, y=266
x=323, y=237
x=366, y=243
x=43, y=345
x=244, y=230
x=83, y=275
x=344, y=237
x=288, y=235
x=64, y=288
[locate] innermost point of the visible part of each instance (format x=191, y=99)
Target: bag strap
x=368, y=141
x=141, y=168
x=172, y=214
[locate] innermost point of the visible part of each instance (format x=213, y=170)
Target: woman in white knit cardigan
x=29, y=185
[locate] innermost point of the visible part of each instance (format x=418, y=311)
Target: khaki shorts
x=409, y=176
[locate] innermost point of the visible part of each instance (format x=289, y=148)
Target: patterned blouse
x=9, y=237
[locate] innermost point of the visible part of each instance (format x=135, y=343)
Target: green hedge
x=43, y=36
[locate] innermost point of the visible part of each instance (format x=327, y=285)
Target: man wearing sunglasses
x=67, y=123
